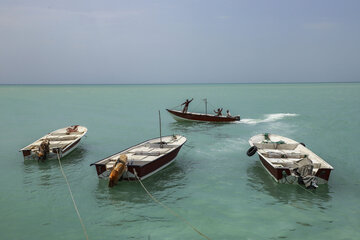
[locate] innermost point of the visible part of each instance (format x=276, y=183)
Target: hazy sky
x=198, y=41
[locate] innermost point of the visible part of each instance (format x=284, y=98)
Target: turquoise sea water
x=212, y=183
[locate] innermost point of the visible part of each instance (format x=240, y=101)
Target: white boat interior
x=282, y=152
x=58, y=139
x=146, y=152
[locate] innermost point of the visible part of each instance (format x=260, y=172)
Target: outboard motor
x=305, y=174
x=44, y=149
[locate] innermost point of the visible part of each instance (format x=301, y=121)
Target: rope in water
x=72, y=197
x=306, y=189
x=169, y=209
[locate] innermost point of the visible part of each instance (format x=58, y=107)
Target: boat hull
x=28, y=155
x=141, y=170
x=281, y=157
x=322, y=175
x=55, y=149
x=198, y=117
x=151, y=168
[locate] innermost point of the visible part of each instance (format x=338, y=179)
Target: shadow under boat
x=261, y=181
x=168, y=180
x=189, y=127
x=74, y=158
x=43, y=172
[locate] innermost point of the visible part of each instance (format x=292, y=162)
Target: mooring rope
x=169, y=209
x=72, y=197
x=306, y=189
x=176, y=107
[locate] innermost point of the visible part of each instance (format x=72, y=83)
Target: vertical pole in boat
x=160, y=128
x=205, y=105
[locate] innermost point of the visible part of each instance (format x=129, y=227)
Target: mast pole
x=160, y=128
x=205, y=105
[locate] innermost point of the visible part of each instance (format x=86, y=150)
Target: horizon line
x=172, y=83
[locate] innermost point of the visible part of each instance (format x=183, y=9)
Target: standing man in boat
x=186, y=105
x=218, y=112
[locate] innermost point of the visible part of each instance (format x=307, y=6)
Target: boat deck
x=146, y=152
x=286, y=155
x=56, y=140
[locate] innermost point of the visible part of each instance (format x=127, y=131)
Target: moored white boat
x=288, y=161
x=59, y=142
x=144, y=159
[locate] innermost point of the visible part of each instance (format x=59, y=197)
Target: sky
x=174, y=42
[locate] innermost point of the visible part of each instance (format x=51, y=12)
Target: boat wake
x=268, y=118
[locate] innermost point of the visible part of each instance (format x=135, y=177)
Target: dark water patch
x=261, y=181
x=187, y=127
x=161, y=185
x=304, y=224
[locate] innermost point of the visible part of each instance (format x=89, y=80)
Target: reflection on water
x=72, y=158
x=45, y=173
x=188, y=126
x=260, y=180
x=162, y=185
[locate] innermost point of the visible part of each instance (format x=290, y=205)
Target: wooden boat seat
x=157, y=153
x=157, y=145
x=140, y=149
x=274, y=153
x=59, y=144
x=284, y=146
x=60, y=138
x=291, y=162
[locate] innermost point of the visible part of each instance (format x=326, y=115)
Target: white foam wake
x=268, y=118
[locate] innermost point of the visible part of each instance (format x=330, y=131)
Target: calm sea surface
x=212, y=183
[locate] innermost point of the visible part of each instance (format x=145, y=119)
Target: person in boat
x=218, y=112
x=186, y=105
x=228, y=113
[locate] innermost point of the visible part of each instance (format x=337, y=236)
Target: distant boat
x=201, y=117
x=288, y=161
x=59, y=142
x=144, y=159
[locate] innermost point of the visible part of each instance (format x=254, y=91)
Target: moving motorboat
x=289, y=161
x=184, y=115
x=57, y=143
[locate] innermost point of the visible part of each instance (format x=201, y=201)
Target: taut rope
x=169, y=209
x=72, y=197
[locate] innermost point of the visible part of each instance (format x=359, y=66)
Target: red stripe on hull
x=203, y=117
x=26, y=152
x=143, y=171
x=323, y=173
x=73, y=144
x=276, y=172
x=100, y=169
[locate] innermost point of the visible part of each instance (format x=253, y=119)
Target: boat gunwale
x=161, y=155
x=227, y=119
x=327, y=165
x=62, y=148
